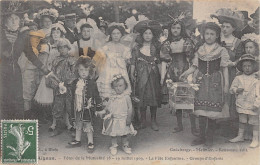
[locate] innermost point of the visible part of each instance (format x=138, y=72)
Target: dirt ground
x=148, y=147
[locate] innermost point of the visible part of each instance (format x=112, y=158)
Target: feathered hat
x=236, y=18
x=12, y=7
x=52, y=13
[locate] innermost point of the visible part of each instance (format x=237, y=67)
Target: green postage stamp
x=19, y=141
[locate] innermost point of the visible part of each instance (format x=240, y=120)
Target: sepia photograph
x=154, y=82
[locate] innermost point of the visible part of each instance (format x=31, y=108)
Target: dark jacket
x=72, y=37
x=90, y=91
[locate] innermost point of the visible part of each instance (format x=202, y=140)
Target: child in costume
x=117, y=56
x=145, y=71
x=211, y=61
x=118, y=120
x=86, y=100
x=63, y=74
x=177, y=51
x=244, y=87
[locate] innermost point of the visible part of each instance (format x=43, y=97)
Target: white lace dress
x=116, y=60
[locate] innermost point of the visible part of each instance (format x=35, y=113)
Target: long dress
x=115, y=64
x=11, y=90
x=234, y=52
x=148, y=88
x=209, y=99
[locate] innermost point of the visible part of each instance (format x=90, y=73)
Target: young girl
x=118, y=120
x=244, y=87
x=57, y=32
x=46, y=17
x=116, y=55
x=87, y=44
x=178, y=49
x=211, y=60
x=145, y=58
x=86, y=99
x=250, y=45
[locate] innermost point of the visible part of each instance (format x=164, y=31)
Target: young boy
x=63, y=76
x=86, y=99
x=244, y=86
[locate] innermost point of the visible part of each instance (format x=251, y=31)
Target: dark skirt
x=11, y=91
x=148, y=88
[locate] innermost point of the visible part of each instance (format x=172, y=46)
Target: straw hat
x=247, y=57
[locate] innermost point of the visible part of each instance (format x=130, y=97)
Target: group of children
x=99, y=80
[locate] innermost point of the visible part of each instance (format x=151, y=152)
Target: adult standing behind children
x=70, y=26
x=230, y=22
x=13, y=43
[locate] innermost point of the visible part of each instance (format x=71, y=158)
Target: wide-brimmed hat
x=236, y=18
x=155, y=27
x=12, y=7
x=247, y=57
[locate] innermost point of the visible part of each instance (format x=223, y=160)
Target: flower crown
x=251, y=36
x=116, y=77
x=48, y=12
x=59, y=25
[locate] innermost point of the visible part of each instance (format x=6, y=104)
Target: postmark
x=19, y=141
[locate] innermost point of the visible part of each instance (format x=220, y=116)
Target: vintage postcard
x=156, y=82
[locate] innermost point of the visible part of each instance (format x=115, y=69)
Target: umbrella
x=227, y=15
x=151, y=24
